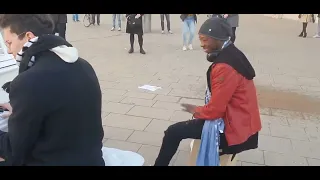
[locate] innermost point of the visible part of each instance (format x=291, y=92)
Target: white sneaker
x=316, y=36
x=119, y=29
x=112, y=29
x=190, y=47
x=184, y=48
x=162, y=32
x=170, y=32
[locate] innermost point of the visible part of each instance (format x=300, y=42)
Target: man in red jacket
x=232, y=95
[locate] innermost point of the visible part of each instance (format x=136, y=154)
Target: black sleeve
x=25, y=121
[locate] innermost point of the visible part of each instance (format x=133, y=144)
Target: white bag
x=117, y=157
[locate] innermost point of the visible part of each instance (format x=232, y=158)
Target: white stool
x=225, y=160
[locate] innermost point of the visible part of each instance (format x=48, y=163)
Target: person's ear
x=30, y=35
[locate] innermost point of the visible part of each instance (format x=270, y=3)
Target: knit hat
x=217, y=28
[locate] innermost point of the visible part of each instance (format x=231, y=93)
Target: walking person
x=189, y=21
x=233, y=20
x=305, y=19
x=168, y=23
x=134, y=26
x=114, y=17
x=75, y=17
x=230, y=98
x=55, y=101
x=94, y=19
x=318, y=30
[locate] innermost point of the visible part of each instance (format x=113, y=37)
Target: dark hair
x=38, y=24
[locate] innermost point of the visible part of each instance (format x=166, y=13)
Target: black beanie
x=217, y=28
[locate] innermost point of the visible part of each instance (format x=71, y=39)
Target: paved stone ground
x=135, y=120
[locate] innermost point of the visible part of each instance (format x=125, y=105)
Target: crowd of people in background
x=134, y=26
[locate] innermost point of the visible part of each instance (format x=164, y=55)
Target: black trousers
x=304, y=28
x=162, y=21
x=140, y=40
x=174, y=135
x=192, y=129
x=94, y=18
x=61, y=29
x=233, y=37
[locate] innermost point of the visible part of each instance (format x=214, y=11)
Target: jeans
x=162, y=21
x=114, y=16
x=188, y=27
x=75, y=17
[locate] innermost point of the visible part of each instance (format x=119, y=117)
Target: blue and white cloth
x=208, y=154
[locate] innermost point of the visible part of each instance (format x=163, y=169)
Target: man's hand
x=189, y=108
x=137, y=16
x=225, y=15
x=8, y=107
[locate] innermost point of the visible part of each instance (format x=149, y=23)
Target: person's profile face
x=15, y=42
x=207, y=43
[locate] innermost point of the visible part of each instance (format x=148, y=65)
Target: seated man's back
x=56, y=101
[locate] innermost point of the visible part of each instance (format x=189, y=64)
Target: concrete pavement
x=288, y=82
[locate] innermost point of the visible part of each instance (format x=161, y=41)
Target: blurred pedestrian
x=114, y=17
x=94, y=19
x=233, y=20
x=168, y=23
x=75, y=17
x=305, y=19
x=189, y=21
x=134, y=26
x=60, y=21
x=318, y=30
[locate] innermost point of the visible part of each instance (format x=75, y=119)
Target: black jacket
x=59, y=18
x=56, y=118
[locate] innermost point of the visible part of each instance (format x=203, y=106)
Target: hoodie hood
x=67, y=54
x=50, y=42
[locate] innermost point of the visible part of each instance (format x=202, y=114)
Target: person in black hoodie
x=56, y=99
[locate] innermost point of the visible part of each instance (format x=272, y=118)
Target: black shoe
x=304, y=35
x=131, y=50
x=142, y=51
x=301, y=34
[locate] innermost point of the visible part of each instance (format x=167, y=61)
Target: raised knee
x=171, y=131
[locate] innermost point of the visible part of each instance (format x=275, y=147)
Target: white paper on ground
x=117, y=157
x=149, y=87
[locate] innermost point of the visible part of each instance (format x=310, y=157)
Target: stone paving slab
x=135, y=119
